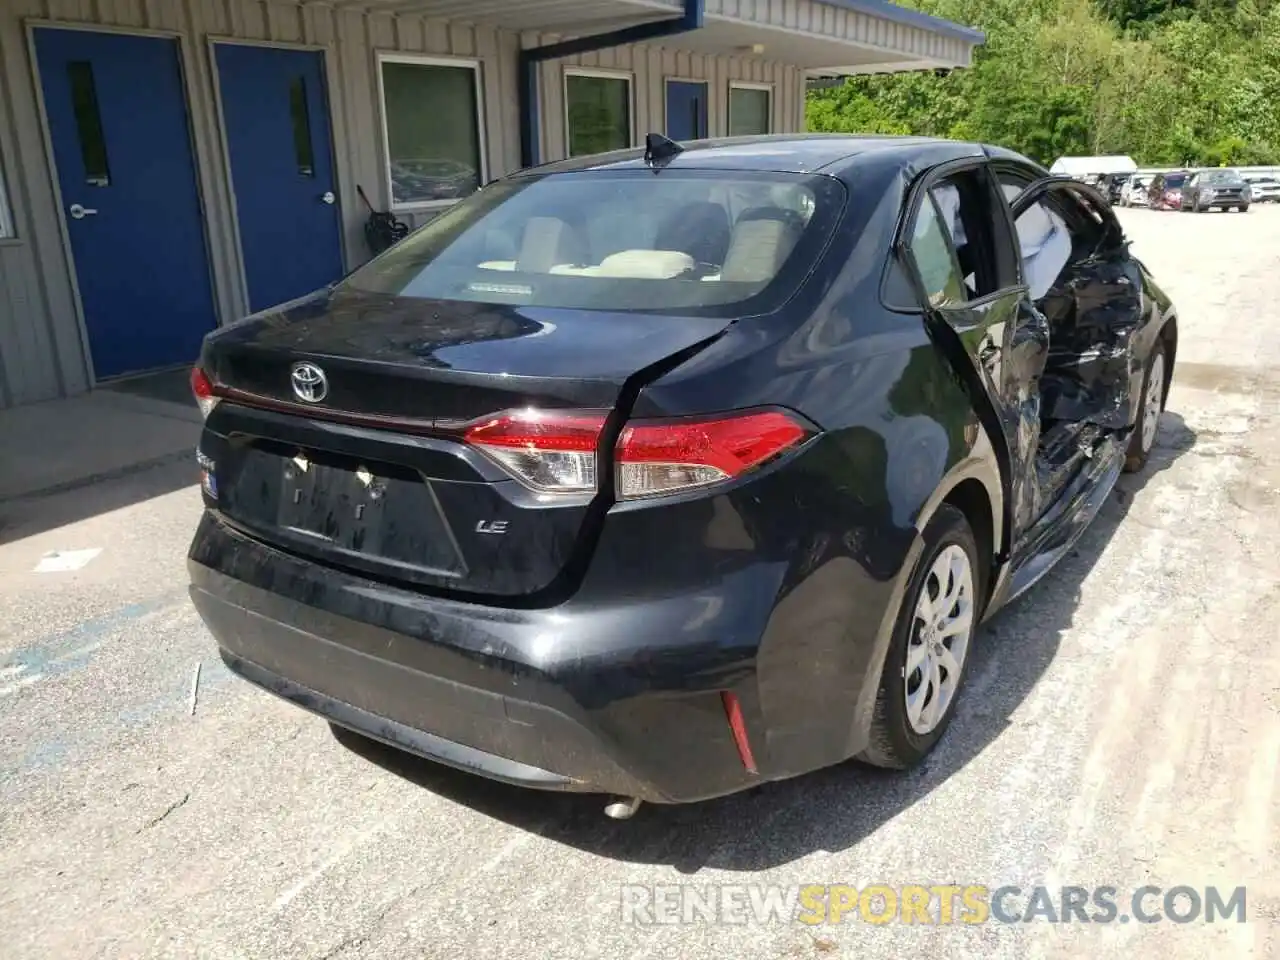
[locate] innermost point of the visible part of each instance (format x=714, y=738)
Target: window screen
x=431, y=112
x=598, y=111
x=749, y=111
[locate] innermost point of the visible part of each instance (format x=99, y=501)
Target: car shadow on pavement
x=833, y=809
x=33, y=514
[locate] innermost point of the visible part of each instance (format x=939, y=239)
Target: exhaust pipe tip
x=623, y=808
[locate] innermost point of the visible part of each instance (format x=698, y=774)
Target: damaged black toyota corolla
x=665, y=474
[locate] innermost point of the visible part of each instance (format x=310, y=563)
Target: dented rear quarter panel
x=899, y=433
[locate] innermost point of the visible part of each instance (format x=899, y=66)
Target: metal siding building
x=65, y=299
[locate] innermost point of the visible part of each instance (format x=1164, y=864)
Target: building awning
x=823, y=37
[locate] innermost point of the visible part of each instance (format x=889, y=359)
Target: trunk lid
x=375, y=474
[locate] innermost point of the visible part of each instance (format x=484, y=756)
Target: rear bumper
x=398, y=734
x=590, y=696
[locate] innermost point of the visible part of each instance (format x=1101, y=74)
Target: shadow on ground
x=833, y=809
x=171, y=386
x=87, y=483
x=24, y=517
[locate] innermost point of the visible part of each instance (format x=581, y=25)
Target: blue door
x=122, y=147
x=276, y=117
x=686, y=110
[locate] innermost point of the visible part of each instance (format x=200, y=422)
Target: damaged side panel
x=1094, y=315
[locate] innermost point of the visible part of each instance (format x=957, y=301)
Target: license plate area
x=342, y=506
x=376, y=514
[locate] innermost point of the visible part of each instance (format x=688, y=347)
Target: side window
x=968, y=206
x=960, y=244
x=934, y=261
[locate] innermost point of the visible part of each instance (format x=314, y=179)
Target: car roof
x=782, y=153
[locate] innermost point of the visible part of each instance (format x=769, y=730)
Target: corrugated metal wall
x=42, y=354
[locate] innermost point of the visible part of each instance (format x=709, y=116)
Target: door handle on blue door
x=327, y=197
x=79, y=213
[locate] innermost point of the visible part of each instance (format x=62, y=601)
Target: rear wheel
x=924, y=669
x=1153, y=392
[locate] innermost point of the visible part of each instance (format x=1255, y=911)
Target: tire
x=1143, y=440
x=1244, y=208
x=896, y=741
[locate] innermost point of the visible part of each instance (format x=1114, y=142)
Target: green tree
x=1165, y=81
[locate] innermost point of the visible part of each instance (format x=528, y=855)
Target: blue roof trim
x=911, y=18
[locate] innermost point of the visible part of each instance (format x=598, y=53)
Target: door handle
x=79, y=213
x=328, y=197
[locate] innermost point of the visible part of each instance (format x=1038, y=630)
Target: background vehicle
x=1165, y=192
x=1264, y=189
x=1110, y=186
x=1133, y=193
x=666, y=474
x=1221, y=188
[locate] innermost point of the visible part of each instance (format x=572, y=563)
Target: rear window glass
x=1175, y=180
x=679, y=241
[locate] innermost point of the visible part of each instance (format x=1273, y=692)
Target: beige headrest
x=758, y=250
x=547, y=241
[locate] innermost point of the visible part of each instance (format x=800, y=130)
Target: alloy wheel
x=1153, y=402
x=939, y=641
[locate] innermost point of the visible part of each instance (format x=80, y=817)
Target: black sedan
x=663, y=474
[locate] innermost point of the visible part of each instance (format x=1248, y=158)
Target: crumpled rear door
x=1094, y=306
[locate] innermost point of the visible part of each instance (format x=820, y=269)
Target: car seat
x=762, y=240
x=699, y=229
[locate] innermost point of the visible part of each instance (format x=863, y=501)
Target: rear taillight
x=202, y=387
x=548, y=451
x=658, y=458
x=557, y=452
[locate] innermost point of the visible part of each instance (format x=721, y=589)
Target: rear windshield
x=680, y=241
x=1175, y=179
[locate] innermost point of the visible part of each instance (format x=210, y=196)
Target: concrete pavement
x=52, y=446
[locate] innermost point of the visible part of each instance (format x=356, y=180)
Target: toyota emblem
x=309, y=382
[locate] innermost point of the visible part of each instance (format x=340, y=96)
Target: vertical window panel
x=300, y=114
x=598, y=113
x=431, y=112
x=93, y=141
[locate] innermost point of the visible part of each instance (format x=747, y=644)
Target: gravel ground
x=1121, y=727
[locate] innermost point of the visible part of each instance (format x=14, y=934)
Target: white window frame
x=7, y=229
x=477, y=70
x=606, y=75
x=748, y=85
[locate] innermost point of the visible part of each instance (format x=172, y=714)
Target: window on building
x=93, y=142
x=597, y=109
x=6, y=214
x=431, y=123
x=750, y=109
